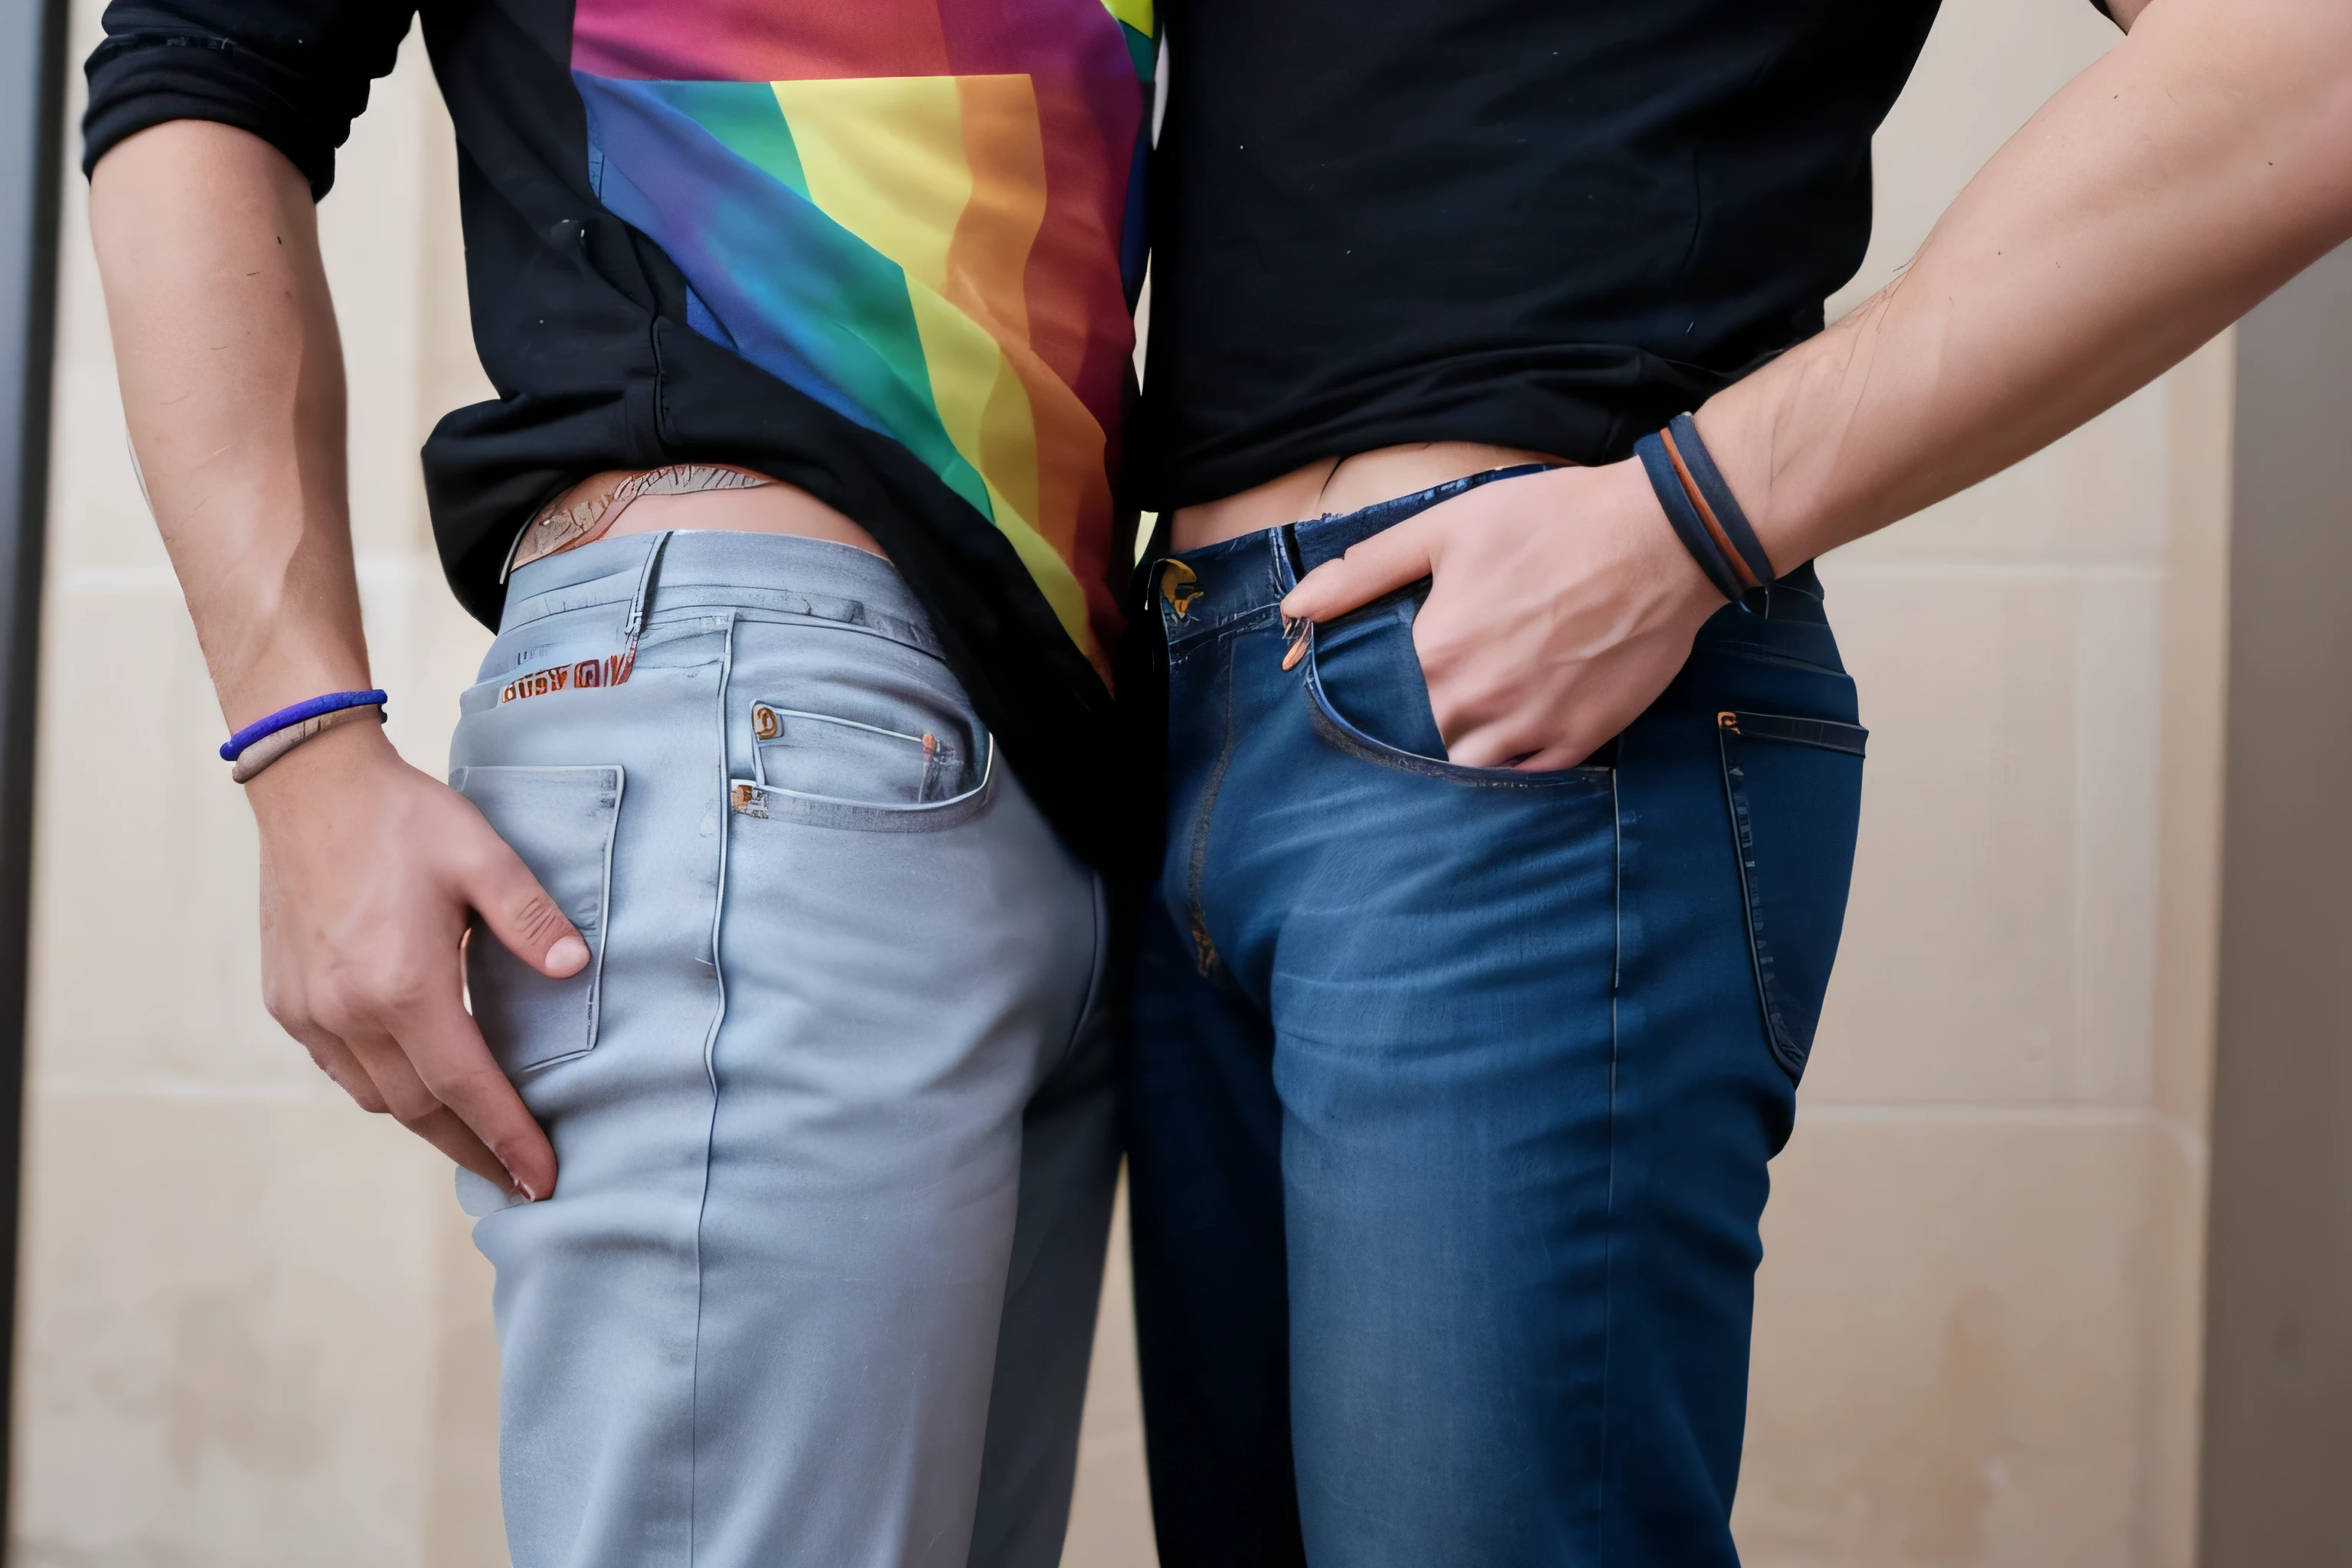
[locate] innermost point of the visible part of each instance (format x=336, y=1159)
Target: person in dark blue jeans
x=1452, y=1101
x=1512, y=782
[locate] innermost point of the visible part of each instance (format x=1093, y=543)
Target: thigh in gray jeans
x=818, y=1279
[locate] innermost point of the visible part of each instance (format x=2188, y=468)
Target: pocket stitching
x=1780, y=729
x=832, y=811
x=603, y=896
x=932, y=755
x=1098, y=977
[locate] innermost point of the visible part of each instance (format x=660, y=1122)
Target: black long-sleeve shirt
x=884, y=251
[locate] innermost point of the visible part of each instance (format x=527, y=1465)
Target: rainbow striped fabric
x=927, y=214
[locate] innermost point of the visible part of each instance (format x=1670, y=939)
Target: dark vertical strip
x=2277, y=1438
x=32, y=113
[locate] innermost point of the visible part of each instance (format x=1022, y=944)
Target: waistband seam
x=801, y=586
x=664, y=612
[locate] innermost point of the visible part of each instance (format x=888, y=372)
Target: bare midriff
x=686, y=496
x=1341, y=484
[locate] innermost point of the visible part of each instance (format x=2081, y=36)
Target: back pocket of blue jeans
x=560, y=821
x=1794, y=788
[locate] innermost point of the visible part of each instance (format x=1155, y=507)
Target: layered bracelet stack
x=265, y=740
x=1706, y=516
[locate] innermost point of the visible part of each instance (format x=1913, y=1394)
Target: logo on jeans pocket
x=1179, y=585
x=613, y=670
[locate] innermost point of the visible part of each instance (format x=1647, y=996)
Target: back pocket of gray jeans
x=560, y=821
x=1794, y=788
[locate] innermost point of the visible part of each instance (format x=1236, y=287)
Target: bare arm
x=233, y=385
x=2202, y=162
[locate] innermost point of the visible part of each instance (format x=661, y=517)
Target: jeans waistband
x=1329, y=537
x=1202, y=591
x=659, y=574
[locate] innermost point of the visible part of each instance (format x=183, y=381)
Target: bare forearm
x=233, y=385
x=2163, y=192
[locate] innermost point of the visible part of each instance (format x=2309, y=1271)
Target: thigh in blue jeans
x=1452, y=1090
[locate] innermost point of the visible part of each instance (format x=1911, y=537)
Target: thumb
x=521, y=914
x=1380, y=565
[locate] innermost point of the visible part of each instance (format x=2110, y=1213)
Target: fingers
x=1552, y=758
x=1380, y=565
x=1496, y=746
x=331, y=1057
x=1493, y=748
x=405, y=1094
x=521, y=914
x=446, y=1049
x=366, y=892
x=441, y=1127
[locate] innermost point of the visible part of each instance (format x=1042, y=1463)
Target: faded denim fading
x=817, y=1283
x=1452, y=1089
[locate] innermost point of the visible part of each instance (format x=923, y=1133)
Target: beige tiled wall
x=251, y=1329
x=1977, y=1323
x=253, y=1332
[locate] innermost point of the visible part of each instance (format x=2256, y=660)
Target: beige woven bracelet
x=270, y=748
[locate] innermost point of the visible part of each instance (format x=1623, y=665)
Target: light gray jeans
x=830, y=1102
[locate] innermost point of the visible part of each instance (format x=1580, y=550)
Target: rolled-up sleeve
x=295, y=73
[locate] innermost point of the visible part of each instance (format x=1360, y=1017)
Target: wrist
x=1678, y=589
x=256, y=696
x=1692, y=600
x=1700, y=509
x=327, y=766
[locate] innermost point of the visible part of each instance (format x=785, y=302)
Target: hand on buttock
x=370, y=870
x=1561, y=606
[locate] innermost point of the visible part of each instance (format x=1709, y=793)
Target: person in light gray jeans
x=830, y=1097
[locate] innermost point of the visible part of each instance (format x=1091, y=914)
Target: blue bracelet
x=287, y=718
x=1683, y=436
x=1668, y=486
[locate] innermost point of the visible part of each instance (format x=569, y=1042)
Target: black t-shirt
x=1548, y=223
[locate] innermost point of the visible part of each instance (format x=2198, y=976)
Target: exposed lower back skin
x=1338, y=484
x=776, y=508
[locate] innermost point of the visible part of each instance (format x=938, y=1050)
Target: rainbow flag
x=927, y=214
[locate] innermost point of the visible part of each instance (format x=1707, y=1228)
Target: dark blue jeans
x=1450, y=1090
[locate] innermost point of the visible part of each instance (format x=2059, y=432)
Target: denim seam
x=1767, y=656
x=864, y=816
x=1095, y=980
x=604, y=910
x=710, y=1076
x=1389, y=512
x=674, y=606
x=1801, y=730
x=1211, y=633
x=1204, y=950
x=1608, y=1229
x=889, y=627
x=1743, y=849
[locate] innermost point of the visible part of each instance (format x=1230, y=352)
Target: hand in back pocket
x=560, y=821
